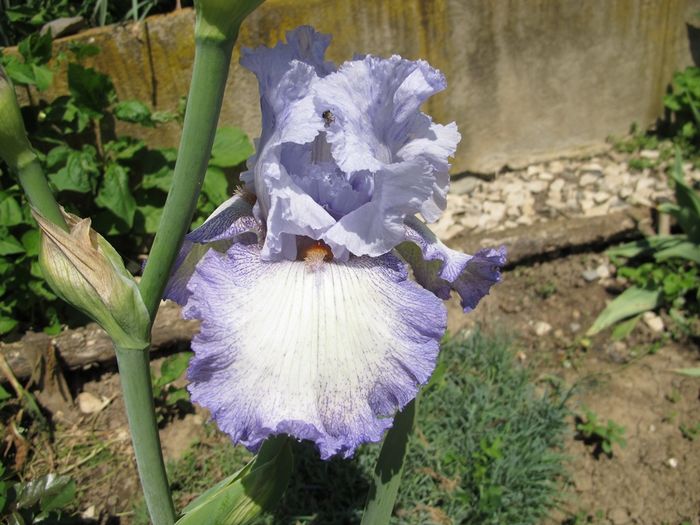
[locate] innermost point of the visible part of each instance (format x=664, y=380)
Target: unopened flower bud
x=14, y=145
x=85, y=271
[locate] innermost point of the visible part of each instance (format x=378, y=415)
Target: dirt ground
x=546, y=308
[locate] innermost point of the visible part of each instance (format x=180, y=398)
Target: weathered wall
x=527, y=79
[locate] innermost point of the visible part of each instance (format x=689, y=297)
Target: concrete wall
x=527, y=79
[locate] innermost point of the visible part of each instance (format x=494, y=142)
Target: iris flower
x=310, y=325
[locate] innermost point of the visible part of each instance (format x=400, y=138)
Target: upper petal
x=441, y=269
x=375, y=103
x=327, y=354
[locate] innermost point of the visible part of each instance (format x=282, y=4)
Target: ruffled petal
x=441, y=269
x=326, y=353
x=378, y=226
x=375, y=103
x=232, y=221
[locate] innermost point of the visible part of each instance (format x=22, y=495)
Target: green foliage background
x=118, y=181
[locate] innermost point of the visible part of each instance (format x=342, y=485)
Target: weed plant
x=486, y=450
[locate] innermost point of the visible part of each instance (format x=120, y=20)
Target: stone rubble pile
x=560, y=188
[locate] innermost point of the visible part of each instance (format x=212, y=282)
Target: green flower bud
x=221, y=19
x=85, y=271
x=14, y=145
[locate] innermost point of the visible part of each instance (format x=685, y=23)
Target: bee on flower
x=310, y=325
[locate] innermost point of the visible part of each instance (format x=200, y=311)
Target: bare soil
x=652, y=481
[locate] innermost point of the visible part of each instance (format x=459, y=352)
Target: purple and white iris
x=309, y=323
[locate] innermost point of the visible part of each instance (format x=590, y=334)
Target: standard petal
x=375, y=103
x=441, y=269
x=326, y=354
x=232, y=221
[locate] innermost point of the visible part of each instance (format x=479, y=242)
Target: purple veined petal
x=231, y=221
x=441, y=269
x=376, y=107
x=378, y=226
x=326, y=353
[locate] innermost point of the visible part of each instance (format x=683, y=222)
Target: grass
x=486, y=451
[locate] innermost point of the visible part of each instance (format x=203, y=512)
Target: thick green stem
x=387, y=473
x=211, y=65
x=135, y=375
x=35, y=186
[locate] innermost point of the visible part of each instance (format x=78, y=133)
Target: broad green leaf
x=687, y=209
x=89, y=88
x=19, y=72
x=46, y=490
x=115, y=194
x=389, y=468
x=683, y=250
x=6, y=324
x=36, y=48
x=215, y=185
x=9, y=245
x=148, y=217
x=173, y=367
x=57, y=156
x=646, y=245
x=631, y=302
x=241, y=497
x=133, y=111
x=231, y=147
x=83, y=50
x=43, y=77
x=79, y=172
x=623, y=329
x=31, y=240
x=10, y=211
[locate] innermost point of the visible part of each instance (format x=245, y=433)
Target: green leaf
x=115, y=194
x=622, y=330
x=687, y=211
x=10, y=211
x=215, y=185
x=683, y=250
x=19, y=72
x=31, y=240
x=49, y=491
x=133, y=111
x=690, y=372
x=4, y=394
x=173, y=367
x=6, y=324
x=79, y=172
x=387, y=473
x=57, y=156
x=149, y=217
x=36, y=48
x=241, y=497
x=631, y=302
x=43, y=77
x=82, y=50
x=90, y=89
x=9, y=245
x=231, y=147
